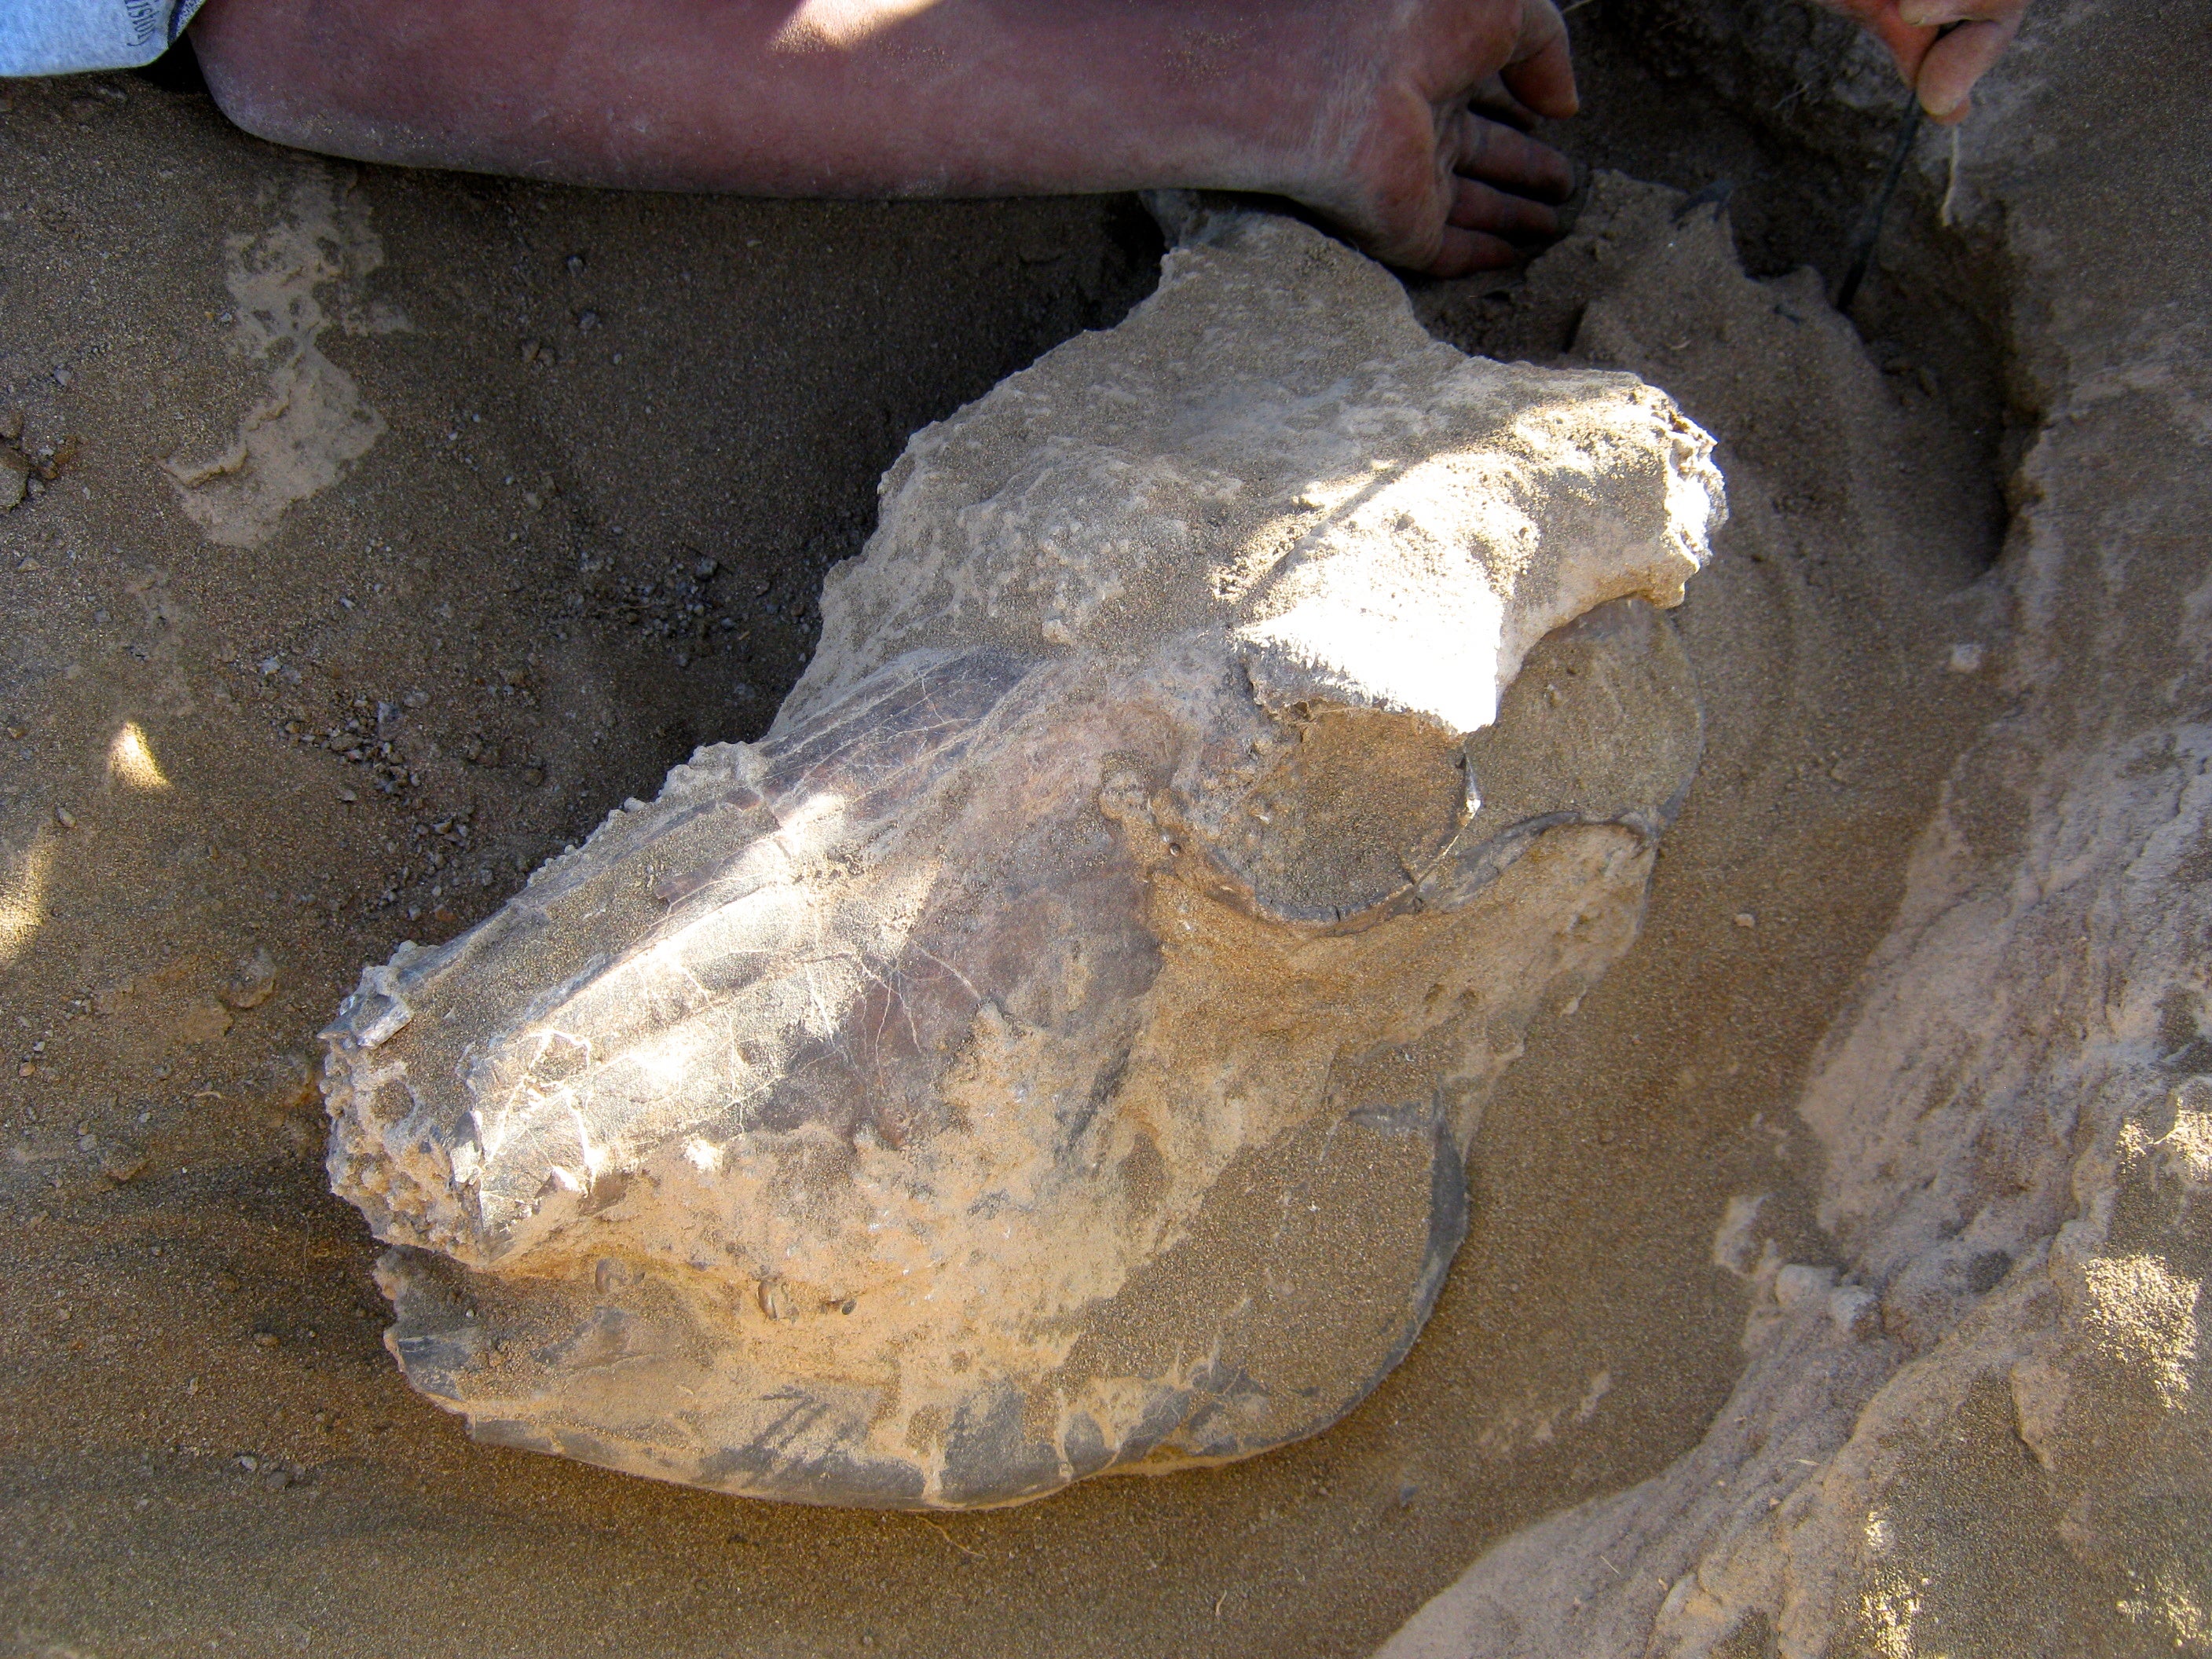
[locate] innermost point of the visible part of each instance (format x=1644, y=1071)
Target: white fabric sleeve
x=66, y=37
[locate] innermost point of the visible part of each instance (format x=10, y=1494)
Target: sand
x=206, y=1448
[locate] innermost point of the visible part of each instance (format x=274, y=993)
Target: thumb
x=1540, y=72
x=1958, y=60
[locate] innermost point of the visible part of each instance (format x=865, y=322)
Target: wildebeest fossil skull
x=1054, y=1047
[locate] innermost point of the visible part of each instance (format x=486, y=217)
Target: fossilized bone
x=1054, y=1047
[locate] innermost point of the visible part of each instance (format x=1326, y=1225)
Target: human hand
x=1939, y=61
x=1443, y=176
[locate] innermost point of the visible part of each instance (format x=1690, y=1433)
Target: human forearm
x=968, y=97
x=1359, y=108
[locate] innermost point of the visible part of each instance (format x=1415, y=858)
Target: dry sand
x=205, y=1447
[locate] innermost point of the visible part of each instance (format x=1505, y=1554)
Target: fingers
x=1908, y=43
x=1483, y=229
x=1941, y=71
x=1476, y=206
x=1461, y=251
x=1540, y=71
x=1503, y=178
x=1936, y=14
x=1872, y=15
x=1490, y=98
x=1954, y=63
x=1499, y=156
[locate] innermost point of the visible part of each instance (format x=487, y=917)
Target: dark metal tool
x=1869, y=226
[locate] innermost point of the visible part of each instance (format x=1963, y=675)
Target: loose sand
x=205, y=1447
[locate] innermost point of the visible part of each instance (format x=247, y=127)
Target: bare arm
x=1357, y=108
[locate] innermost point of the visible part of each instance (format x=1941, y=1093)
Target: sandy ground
x=400, y=525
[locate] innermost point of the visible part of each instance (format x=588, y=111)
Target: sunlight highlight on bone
x=130, y=760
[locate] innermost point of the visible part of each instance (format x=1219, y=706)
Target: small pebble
x=63, y=817
x=1799, y=1285
x=1965, y=658
x=253, y=982
x=1854, y=1311
x=1745, y=919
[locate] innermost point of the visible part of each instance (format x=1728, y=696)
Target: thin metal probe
x=1869, y=226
